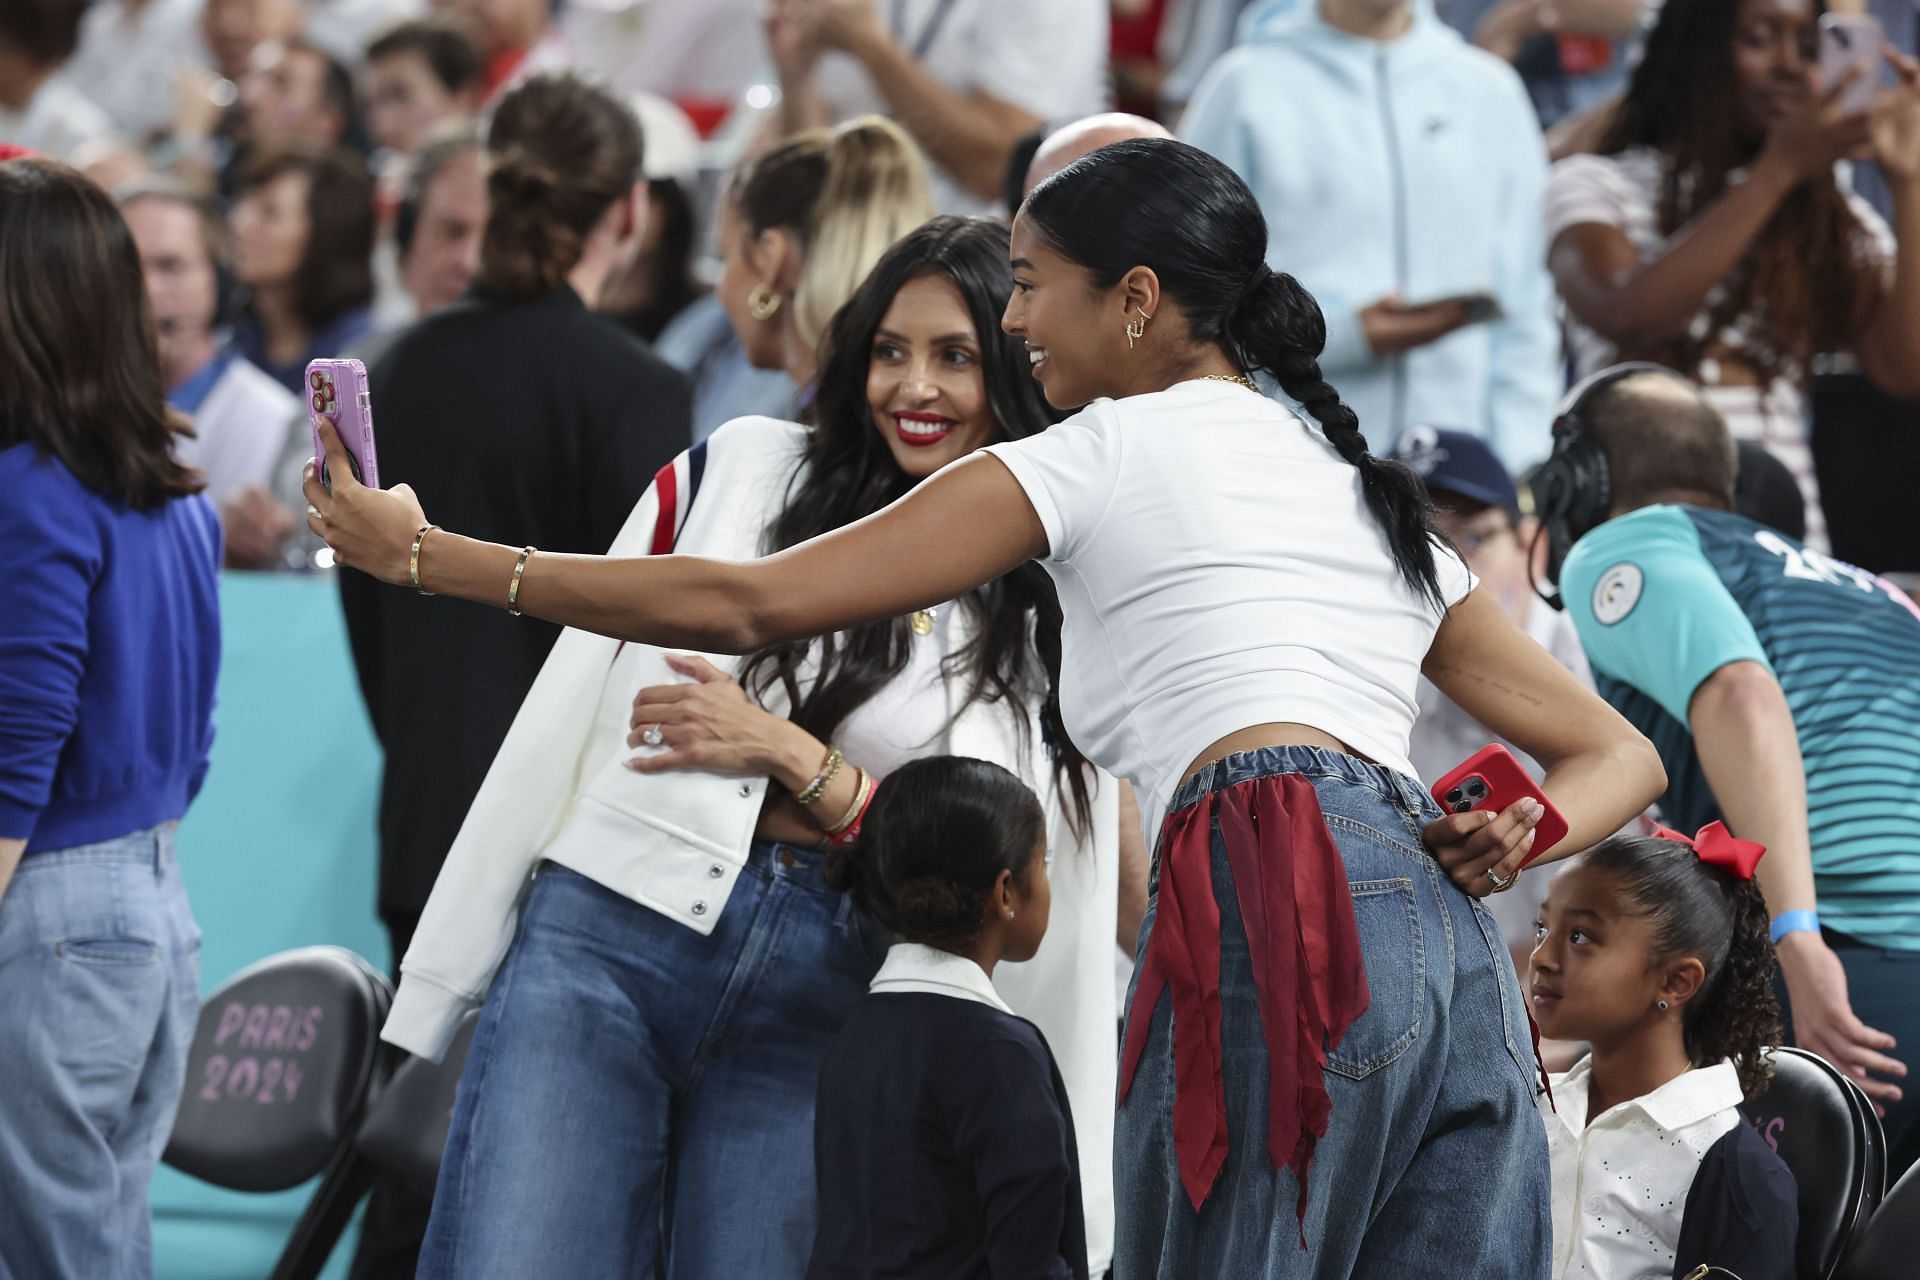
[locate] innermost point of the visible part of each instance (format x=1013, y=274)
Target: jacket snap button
x=699, y=908
x=716, y=871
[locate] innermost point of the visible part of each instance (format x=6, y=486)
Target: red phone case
x=1502, y=783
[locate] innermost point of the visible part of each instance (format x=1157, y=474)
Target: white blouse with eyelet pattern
x=1620, y=1183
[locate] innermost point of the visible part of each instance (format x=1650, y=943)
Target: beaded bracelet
x=829, y=768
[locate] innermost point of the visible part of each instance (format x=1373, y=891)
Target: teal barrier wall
x=278, y=852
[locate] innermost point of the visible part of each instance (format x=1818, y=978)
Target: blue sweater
x=109, y=645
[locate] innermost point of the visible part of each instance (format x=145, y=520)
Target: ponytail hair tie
x=1255, y=283
x=1718, y=847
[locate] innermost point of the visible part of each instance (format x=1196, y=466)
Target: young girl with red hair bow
x=1654, y=950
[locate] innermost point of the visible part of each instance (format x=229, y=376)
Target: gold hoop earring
x=1137, y=329
x=763, y=302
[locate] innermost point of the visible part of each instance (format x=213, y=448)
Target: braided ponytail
x=1276, y=326
x=1194, y=222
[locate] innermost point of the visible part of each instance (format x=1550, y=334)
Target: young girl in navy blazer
x=943, y=1143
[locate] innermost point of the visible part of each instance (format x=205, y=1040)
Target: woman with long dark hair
x=1248, y=600
x=109, y=649
x=678, y=914
x=1712, y=234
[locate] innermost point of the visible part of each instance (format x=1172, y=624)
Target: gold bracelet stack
x=862, y=789
x=811, y=793
x=413, y=560
x=513, y=588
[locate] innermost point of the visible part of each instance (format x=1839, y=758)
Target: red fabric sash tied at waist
x=1309, y=979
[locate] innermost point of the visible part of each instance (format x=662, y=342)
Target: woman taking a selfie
x=109, y=648
x=1712, y=234
x=1248, y=600
x=679, y=966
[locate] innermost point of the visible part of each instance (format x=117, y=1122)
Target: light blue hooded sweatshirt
x=1412, y=166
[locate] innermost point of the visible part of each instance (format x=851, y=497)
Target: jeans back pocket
x=1393, y=948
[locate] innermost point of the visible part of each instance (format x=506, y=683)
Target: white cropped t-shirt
x=1218, y=568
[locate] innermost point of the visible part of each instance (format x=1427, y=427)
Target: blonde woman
x=802, y=226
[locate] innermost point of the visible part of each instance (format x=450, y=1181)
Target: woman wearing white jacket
x=659, y=996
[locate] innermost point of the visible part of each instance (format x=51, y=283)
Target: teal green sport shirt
x=1666, y=596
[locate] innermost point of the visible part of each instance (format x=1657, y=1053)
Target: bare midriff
x=1279, y=734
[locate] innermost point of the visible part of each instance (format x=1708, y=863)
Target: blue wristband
x=1793, y=922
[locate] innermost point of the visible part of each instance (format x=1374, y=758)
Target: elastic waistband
x=1314, y=763
x=150, y=848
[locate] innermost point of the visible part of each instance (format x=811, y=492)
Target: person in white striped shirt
x=1712, y=232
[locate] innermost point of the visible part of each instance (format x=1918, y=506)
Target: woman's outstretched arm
x=961, y=529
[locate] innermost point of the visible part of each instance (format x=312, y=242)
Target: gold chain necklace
x=1237, y=379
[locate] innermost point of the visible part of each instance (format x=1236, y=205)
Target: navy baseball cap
x=1455, y=462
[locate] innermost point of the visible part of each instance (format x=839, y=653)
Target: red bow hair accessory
x=1719, y=847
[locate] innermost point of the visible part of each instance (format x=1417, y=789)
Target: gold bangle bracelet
x=829, y=768
x=413, y=559
x=513, y=588
x=861, y=783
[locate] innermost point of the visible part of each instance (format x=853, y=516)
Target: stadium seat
x=1825, y=1130
x=1888, y=1247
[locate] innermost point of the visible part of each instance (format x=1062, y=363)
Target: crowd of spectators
x=1490, y=200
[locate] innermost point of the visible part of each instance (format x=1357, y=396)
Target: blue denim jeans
x=1435, y=1163
x=99, y=992
x=639, y=1096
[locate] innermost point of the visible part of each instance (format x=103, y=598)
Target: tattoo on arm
x=1452, y=669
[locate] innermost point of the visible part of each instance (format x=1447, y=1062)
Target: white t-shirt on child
x=1620, y=1184
x=1218, y=568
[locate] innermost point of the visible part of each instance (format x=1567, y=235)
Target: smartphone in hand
x=1480, y=305
x=1849, y=41
x=1493, y=780
x=337, y=392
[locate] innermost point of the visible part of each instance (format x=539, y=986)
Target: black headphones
x=1573, y=489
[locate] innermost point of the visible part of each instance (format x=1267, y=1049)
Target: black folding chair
x=1888, y=1247
x=403, y=1133
x=284, y=1062
x=1825, y=1130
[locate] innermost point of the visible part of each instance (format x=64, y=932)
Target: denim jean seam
x=509, y=971
x=1403, y=888
x=1441, y=885
x=744, y=975
x=1483, y=919
x=149, y=953
x=1374, y=833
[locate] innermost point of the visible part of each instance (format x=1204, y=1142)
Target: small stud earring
x=1663, y=1006
x=1009, y=913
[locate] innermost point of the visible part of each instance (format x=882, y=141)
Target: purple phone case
x=337, y=391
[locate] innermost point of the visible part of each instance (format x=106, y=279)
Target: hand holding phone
x=337, y=392
x=1480, y=306
x=1852, y=44
x=1493, y=781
